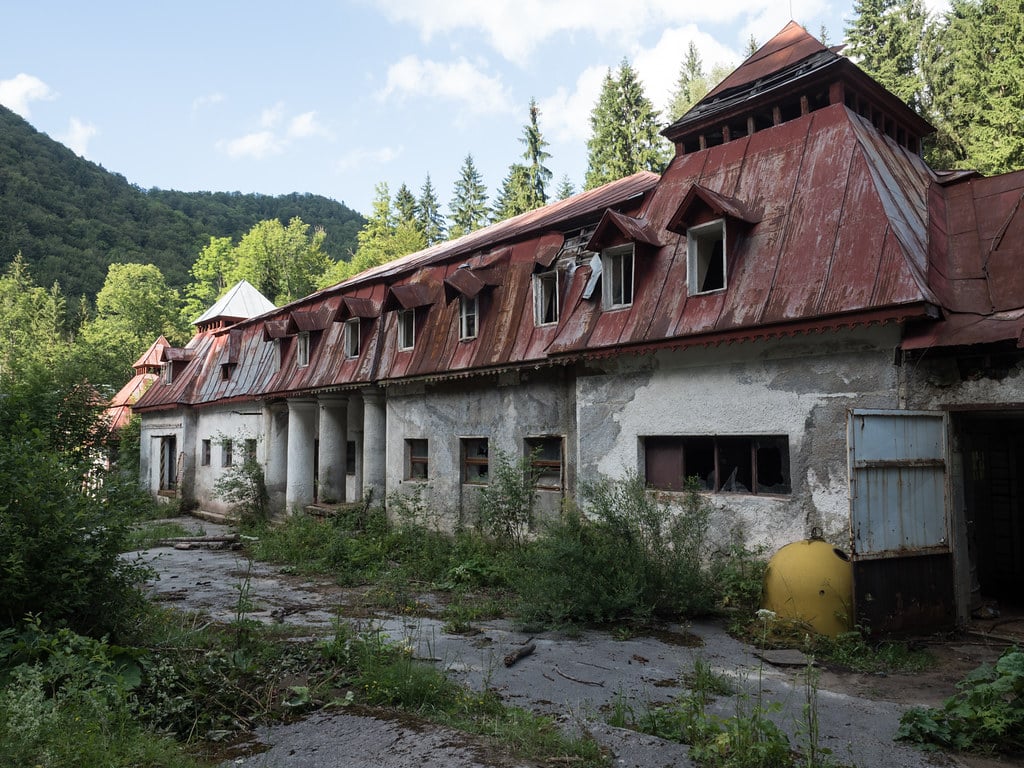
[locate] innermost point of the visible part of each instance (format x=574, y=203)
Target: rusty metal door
x=899, y=529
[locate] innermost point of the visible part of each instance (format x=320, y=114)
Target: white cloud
x=272, y=116
x=206, y=100
x=256, y=145
x=78, y=136
x=565, y=115
x=515, y=28
x=306, y=125
x=16, y=93
x=357, y=158
x=658, y=67
x=460, y=82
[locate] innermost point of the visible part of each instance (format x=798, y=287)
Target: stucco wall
x=801, y=388
x=216, y=425
x=505, y=409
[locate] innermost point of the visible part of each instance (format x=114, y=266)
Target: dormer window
x=545, y=298
x=706, y=257
x=168, y=373
x=469, y=310
x=352, y=338
x=617, y=276
x=406, y=329
x=302, y=349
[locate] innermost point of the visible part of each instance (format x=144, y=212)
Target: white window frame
x=406, y=329
x=352, y=338
x=302, y=349
x=278, y=354
x=168, y=372
x=699, y=240
x=545, y=294
x=469, y=318
x=615, y=262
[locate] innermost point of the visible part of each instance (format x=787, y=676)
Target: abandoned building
x=798, y=312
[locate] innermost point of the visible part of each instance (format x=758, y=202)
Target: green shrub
x=508, y=499
x=985, y=715
x=243, y=486
x=630, y=557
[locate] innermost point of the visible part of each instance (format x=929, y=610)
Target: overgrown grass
x=146, y=535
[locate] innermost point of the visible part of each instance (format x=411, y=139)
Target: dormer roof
x=240, y=303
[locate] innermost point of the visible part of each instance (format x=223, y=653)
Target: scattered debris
x=521, y=653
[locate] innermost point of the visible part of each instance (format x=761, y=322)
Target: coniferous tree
x=884, y=39
x=974, y=86
x=752, y=46
x=405, y=206
x=469, y=203
x=516, y=194
x=535, y=155
x=691, y=85
x=428, y=213
x=624, y=130
x=565, y=188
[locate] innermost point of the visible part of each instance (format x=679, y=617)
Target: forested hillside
x=71, y=218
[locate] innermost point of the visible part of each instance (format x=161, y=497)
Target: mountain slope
x=71, y=218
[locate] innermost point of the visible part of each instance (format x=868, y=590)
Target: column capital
x=332, y=400
x=301, y=403
x=372, y=394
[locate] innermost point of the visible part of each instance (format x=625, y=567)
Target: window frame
x=469, y=313
x=249, y=450
x=545, y=295
x=406, y=329
x=472, y=461
x=352, y=339
x=227, y=458
x=168, y=373
x=205, y=452
x=417, y=454
x=698, y=239
x=541, y=466
x=613, y=278
x=722, y=449
x=303, y=348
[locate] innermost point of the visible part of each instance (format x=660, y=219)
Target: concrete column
x=275, y=468
x=374, y=444
x=301, y=436
x=333, y=447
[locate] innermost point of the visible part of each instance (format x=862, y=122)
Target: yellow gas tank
x=812, y=581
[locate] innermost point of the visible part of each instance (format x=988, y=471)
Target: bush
x=243, y=486
x=508, y=499
x=630, y=558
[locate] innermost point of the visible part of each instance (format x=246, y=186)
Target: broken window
x=406, y=328
x=205, y=453
x=250, y=450
x=706, y=257
x=468, y=312
x=546, y=461
x=168, y=373
x=302, y=349
x=545, y=298
x=226, y=369
x=226, y=457
x=416, y=460
x=352, y=337
x=728, y=464
x=474, y=460
x=350, y=457
x=617, y=276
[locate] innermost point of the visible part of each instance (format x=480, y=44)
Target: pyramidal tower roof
x=240, y=303
x=151, y=358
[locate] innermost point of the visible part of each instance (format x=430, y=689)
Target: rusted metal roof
x=699, y=198
x=243, y=300
x=153, y=356
x=975, y=261
x=618, y=225
x=411, y=296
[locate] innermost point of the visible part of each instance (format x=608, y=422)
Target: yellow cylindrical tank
x=811, y=581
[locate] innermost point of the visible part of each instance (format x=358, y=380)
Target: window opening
x=706, y=257
x=250, y=450
x=416, y=459
x=352, y=337
x=168, y=463
x=545, y=298
x=617, y=276
x=468, y=312
x=546, y=461
x=406, y=328
x=168, y=373
x=728, y=464
x=474, y=460
x=350, y=457
x=302, y=349
x=206, y=453
x=226, y=457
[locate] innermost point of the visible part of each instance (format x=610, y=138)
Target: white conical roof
x=241, y=302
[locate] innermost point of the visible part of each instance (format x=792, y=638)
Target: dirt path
x=574, y=679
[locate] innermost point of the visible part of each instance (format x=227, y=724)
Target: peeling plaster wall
x=800, y=387
x=506, y=409
x=935, y=382
x=244, y=421
x=179, y=424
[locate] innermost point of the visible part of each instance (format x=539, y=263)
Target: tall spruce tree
x=691, y=85
x=884, y=39
x=535, y=155
x=469, y=202
x=565, y=188
x=624, y=131
x=516, y=194
x=975, y=91
x=428, y=213
x=405, y=206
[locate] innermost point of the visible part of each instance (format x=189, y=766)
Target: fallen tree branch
x=521, y=653
x=577, y=680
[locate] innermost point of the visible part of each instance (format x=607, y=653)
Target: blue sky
x=334, y=96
